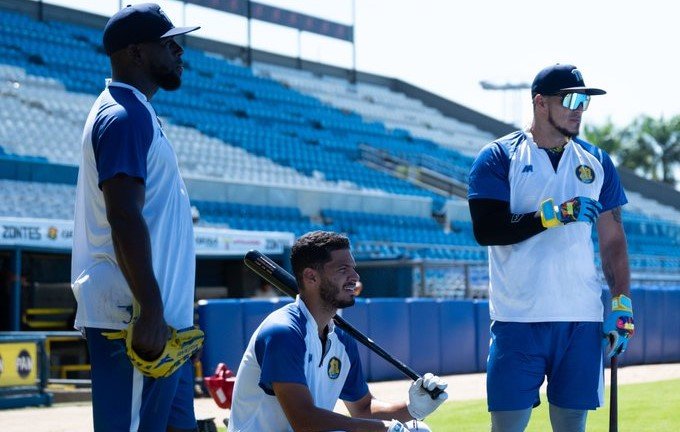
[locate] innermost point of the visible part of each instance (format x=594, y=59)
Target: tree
x=648, y=146
x=655, y=145
x=607, y=137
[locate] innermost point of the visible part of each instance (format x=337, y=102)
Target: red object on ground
x=221, y=385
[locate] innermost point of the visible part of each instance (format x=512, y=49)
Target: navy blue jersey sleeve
x=489, y=174
x=280, y=352
x=355, y=385
x=612, y=194
x=121, y=137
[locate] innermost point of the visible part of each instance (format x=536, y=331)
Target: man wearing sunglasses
x=534, y=198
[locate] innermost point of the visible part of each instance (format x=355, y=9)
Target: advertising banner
x=58, y=234
x=18, y=363
x=211, y=241
x=53, y=234
x=279, y=16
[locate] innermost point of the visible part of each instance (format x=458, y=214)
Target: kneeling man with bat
x=298, y=362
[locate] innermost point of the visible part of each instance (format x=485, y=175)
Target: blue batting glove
x=619, y=326
x=577, y=209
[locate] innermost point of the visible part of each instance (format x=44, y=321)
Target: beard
x=564, y=131
x=329, y=294
x=166, y=79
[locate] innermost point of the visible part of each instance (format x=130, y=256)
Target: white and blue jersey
x=550, y=276
x=123, y=136
x=286, y=348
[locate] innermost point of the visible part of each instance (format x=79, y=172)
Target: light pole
x=353, y=76
x=515, y=89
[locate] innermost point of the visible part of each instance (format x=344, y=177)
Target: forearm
x=318, y=419
x=388, y=411
x=132, y=245
x=303, y=415
x=614, y=252
x=615, y=266
x=493, y=223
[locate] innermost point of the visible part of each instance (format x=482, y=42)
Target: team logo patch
x=585, y=174
x=334, y=366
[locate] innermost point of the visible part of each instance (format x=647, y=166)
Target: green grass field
x=652, y=407
x=648, y=407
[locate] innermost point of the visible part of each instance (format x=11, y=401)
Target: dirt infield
x=77, y=416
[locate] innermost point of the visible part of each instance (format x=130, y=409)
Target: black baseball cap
x=561, y=78
x=144, y=22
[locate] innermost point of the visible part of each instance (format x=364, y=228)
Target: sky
x=625, y=47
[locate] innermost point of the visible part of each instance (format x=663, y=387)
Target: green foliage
x=648, y=146
x=642, y=407
x=661, y=142
x=607, y=137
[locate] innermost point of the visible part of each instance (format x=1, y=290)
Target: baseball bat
x=613, y=397
x=267, y=269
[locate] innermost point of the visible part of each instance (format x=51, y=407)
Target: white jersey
x=286, y=348
x=550, y=276
x=122, y=135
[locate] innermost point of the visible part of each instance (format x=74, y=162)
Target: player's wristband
x=622, y=313
x=622, y=303
x=548, y=214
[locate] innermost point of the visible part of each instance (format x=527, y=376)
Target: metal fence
x=457, y=279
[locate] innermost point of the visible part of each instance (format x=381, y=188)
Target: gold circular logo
x=585, y=174
x=334, y=366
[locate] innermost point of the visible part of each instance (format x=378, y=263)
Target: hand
x=577, y=209
x=147, y=332
x=149, y=336
x=420, y=403
x=396, y=426
x=417, y=426
x=619, y=326
x=409, y=426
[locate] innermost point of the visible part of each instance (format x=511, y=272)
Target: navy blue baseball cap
x=561, y=78
x=144, y=22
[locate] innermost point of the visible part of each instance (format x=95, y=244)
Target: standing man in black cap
x=133, y=245
x=534, y=198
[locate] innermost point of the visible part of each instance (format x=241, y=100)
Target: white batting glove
x=420, y=403
x=397, y=426
x=409, y=426
x=417, y=426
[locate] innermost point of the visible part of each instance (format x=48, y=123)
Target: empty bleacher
x=36, y=200
x=254, y=217
x=221, y=99
x=271, y=126
x=377, y=103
